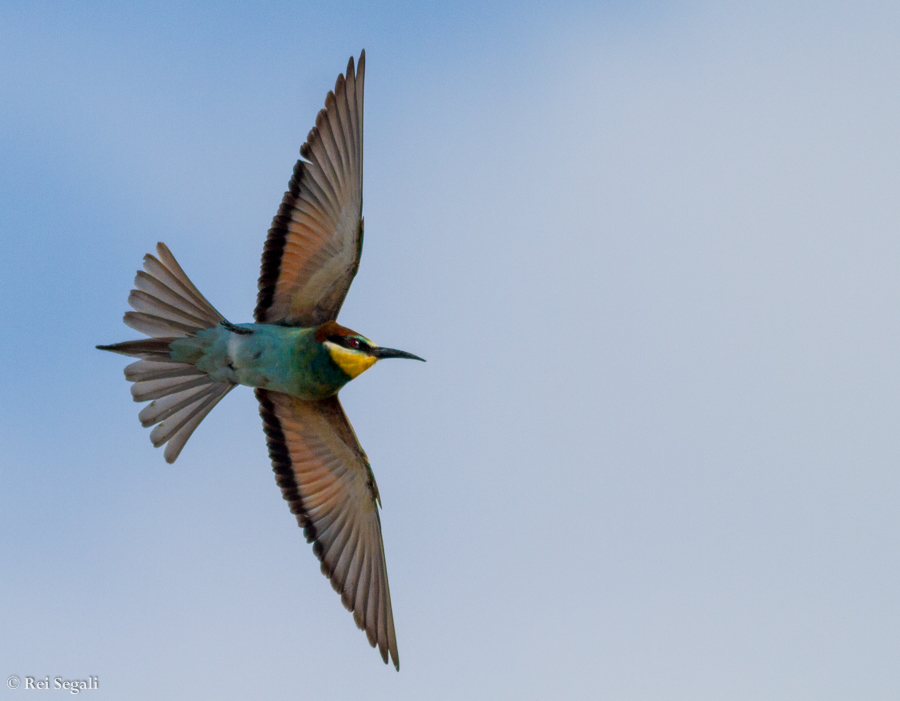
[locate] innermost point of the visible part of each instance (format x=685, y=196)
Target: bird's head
x=353, y=352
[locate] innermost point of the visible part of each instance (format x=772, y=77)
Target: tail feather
x=167, y=271
x=157, y=389
x=157, y=325
x=183, y=425
x=167, y=307
x=152, y=286
x=164, y=407
x=156, y=348
x=145, y=302
x=146, y=370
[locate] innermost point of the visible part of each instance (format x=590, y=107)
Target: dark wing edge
x=319, y=486
x=306, y=233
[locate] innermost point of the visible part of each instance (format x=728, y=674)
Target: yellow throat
x=354, y=363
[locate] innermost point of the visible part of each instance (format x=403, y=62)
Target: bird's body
x=295, y=355
x=277, y=358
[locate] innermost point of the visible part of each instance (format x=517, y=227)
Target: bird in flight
x=295, y=355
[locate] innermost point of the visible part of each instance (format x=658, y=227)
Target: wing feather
x=313, y=247
x=342, y=119
x=326, y=478
x=361, y=590
x=332, y=160
x=374, y=593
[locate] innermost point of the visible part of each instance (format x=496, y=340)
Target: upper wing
x=325, y=475
x=312, y=251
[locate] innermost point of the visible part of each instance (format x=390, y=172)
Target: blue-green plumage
x=278, y=358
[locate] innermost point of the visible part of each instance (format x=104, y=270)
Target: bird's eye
x=354, y=343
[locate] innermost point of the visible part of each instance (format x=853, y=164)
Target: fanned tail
x=168, y=307
x=165, y=301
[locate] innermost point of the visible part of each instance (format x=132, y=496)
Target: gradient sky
x=650, y=251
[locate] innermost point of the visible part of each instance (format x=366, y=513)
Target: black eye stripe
x=348, y=342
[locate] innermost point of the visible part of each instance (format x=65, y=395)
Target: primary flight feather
x=295, y=355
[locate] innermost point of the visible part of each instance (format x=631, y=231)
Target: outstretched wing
x=312, y=252
x=325, y=476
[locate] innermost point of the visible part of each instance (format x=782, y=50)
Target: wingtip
x=360, y=64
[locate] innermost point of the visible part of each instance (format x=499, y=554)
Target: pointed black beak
x=393, y=353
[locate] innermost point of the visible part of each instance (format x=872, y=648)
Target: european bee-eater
x=296, y=356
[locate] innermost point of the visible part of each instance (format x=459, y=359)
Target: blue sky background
x=650, y=251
